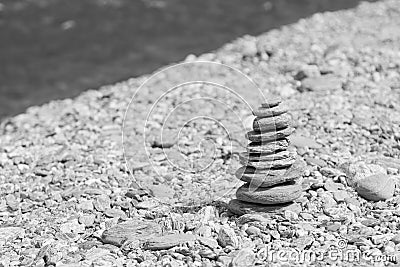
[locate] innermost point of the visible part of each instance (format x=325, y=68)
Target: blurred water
x=51, y=49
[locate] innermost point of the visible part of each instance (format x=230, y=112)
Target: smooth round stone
x=272, y=102
x=271, y=177
x=271, y=123
x=245, y=156
x=264, y=112
x=240, y=208
x=278, y=194
x=276, y=164
x=269, y=136
x=270, y=147
x=376, y=187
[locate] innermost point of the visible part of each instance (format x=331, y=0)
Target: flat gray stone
x=270, y=195
x=275, y=164
x=272, y=102
x=169, y=241
x=271, y=123
x=131, y=230
x=376, y=187
x=245, y=156
x=265, y=112
x=267, y=178
x=302, y=141
x=241, y=208
x=322, y=83
x=270, y=147
x=269, y=136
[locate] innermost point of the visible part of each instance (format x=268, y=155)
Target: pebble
x=321, y=83
x=334, y=227
x=302, y=242
x=251, y=218
x=208, y=242
x=376, y=187
x=227, y=237
x=340, y=195
x=72, y=226
x=333, y=187
x=306, y=216
x=352, y=201
x=315, y=162
x=302, y=141
x=204, y=230
x=252, y=230
x=244, y=258
x=87, y=220
x=147, y=204
x=380, y=239
x=86, y=205
x=248, y=48
x=115, y=213
x=102, y=203
x=357, y=171
x=396, y=239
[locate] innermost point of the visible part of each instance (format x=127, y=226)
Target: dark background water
x=52, y=49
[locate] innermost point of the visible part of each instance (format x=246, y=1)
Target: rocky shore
x=67, y=198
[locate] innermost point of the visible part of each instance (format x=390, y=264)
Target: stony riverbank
x=67, y=198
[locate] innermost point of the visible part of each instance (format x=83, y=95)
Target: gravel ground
x=67, y=198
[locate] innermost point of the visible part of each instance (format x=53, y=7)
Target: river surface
x=54, y=49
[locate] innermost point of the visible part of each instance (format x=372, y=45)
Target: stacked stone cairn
x=271, y=169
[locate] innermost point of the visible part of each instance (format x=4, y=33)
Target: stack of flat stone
x=271, y=168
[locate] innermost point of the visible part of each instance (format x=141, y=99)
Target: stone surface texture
x=64, y=184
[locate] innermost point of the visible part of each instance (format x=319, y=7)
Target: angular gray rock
x=227, y=237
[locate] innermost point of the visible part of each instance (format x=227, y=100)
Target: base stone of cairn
x=271, y=168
